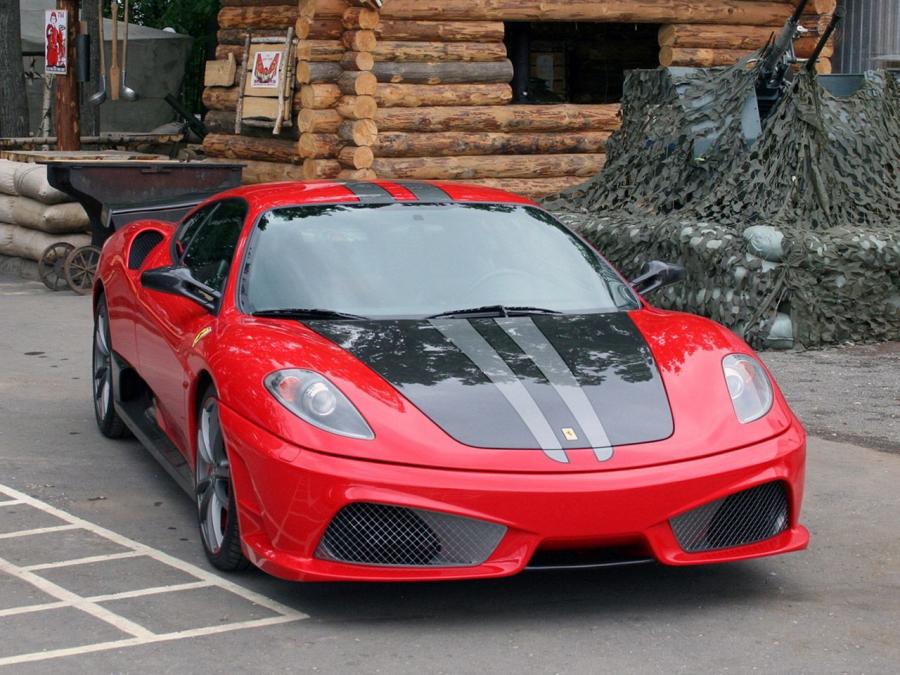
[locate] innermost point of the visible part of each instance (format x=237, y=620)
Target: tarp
x=824, y=176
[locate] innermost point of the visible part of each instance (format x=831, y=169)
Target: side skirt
x=136, y=410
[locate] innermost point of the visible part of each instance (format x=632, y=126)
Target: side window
x=189, y=227
x=209, y=252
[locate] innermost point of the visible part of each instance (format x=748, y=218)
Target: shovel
x=126, y=92
x=114, y=72
x=100, y=96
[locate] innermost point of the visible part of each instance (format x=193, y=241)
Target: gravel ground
x=844, y=393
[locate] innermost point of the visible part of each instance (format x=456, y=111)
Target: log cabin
x=517, y=94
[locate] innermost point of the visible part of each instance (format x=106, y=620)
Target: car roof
x=274, y=195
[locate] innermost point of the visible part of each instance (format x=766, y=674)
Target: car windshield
x=422, y=260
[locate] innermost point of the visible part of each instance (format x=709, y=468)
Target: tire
x=102, y=380
x=216, y=504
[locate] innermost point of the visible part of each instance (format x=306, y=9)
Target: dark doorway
x=577, y=62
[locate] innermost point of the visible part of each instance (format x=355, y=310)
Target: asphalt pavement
x=144, y=598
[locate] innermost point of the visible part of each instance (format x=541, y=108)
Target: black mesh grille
x=141, y=247
x=742, y=518
x=378, y=534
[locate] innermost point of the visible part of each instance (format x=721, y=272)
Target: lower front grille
x=395, y=536
x=743, y=518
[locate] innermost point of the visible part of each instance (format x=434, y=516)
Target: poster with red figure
x=56, y=22
x=266, y=70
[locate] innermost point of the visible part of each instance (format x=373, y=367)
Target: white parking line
x=11, y=502
x=37, y=530
x=82, y=561
x=89, y=605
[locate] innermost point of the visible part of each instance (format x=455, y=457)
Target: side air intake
x=746, y=517
x=394, y=536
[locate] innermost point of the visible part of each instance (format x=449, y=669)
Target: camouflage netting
x=794, y=240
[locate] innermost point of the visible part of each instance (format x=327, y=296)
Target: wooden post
x=68, y=107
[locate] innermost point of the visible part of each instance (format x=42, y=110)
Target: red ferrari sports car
x=421, y=381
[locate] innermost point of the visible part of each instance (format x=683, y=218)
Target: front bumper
x=288, y=496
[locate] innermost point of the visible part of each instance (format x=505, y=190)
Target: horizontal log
x=318, y=29
x=326, y=121
x=363, y=133
x=489, y=166
x=392, y=50
x=357, y=107
x=416, y=95
x=533, y=188
x=444, y=73
x=531, y=118
x=318, y=96
x=698, y=57
x=359, y=40
x=219, y=98
x=748, y=38
x=321, y=168
x=318, y=72
x=320, y=50
x=355, y=157
x=332, y=9
x=357, y=174
x=357, y=83
x=357, y=61
x=403, y=144
x=243, y=147
x=277, y=16
x=620, y=11
x=318, y=146
x=360, y=18
x=266, y=172
x=441, y=31
x=250, y=3
x=236, y=36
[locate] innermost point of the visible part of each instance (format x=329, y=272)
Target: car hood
x=554, y=383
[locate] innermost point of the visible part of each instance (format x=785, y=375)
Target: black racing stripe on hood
x=426, y=193
x=369, y=193
x=605, y=355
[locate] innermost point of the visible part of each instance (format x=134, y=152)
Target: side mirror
x=656, y=274
x=180, y=281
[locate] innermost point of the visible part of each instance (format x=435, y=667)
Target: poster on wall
x=266, y=70
x=55, y=41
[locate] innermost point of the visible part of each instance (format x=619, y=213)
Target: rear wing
x=117, y=193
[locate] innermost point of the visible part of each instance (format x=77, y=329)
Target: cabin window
x=577, y=62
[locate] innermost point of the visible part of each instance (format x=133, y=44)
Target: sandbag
x=24, y=243
x=781, y=335
x=29, y=180
x=766, y=242
x=55, y=219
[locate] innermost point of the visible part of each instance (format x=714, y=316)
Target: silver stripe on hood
x=538, y=348
x=470, y=342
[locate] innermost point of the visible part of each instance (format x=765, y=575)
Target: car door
x=205, y=244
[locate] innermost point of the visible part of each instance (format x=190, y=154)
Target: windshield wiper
x=490, y=311
x=300, y=313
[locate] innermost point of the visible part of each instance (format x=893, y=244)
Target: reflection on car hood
x=548, y=382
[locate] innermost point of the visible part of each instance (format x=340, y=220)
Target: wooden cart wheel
x=80, y=267
x=51, y=264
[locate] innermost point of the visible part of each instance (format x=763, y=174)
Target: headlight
x=314, y=399
x=748, y=385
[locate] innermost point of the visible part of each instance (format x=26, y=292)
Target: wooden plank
x=220, y=73
x=417, y=95
x=391, y=50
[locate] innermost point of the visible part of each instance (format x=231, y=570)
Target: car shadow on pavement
x=546, y=595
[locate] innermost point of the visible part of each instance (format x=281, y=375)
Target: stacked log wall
x=421, y=89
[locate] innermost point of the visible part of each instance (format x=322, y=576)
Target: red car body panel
x=291, y=478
